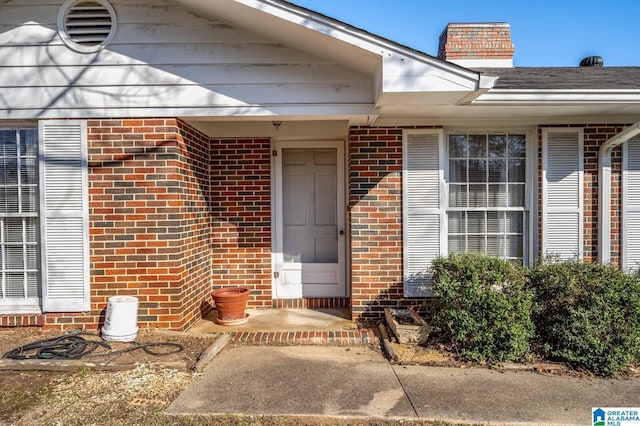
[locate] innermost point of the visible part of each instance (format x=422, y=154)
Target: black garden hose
x=73, y=346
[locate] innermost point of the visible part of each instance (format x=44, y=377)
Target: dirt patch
x=121, y=353
x=134, y=396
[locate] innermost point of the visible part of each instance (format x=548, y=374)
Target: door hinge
x=274, y=152
x=276, y=275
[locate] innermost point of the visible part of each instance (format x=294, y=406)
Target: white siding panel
x=136, y=75
x=562, y=193
x=423, y=217
x=188, y=96
x=65, y=216
x=631, y=205
x=160, y=45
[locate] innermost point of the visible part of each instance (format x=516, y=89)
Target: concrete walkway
x=359, y=382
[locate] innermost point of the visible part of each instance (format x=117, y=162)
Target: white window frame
x=531, y=185
x=26, y=305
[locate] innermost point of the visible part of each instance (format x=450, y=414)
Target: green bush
x=484, y=307
x=588, y=314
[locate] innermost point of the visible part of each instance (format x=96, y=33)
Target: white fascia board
x=550, y=97
x=358, y=112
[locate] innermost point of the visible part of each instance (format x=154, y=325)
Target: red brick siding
x=241, y=216
x=375, y=216
x=149, y=228
x=476, y=41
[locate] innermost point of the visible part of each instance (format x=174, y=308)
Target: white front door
x=309, y=220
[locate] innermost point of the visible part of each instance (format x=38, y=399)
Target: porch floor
x=291, y=327
x=281, y=320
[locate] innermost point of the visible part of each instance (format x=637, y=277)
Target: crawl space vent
x=86, y=26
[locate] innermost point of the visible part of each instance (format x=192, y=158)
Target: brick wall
x=375, y=215
x=476, y=41
x=149, y=227
x=241, y=216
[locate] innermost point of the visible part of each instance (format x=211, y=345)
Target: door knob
x=341, y=232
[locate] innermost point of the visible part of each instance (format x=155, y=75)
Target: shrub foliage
x=484, y=306
x=588, y=314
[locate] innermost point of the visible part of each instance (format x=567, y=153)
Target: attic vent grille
x=86, y=26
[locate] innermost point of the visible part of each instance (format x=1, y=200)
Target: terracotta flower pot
x=230, y=304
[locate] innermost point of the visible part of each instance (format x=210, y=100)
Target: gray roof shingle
x=558, y=78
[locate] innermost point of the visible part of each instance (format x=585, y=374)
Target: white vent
x=86, y=26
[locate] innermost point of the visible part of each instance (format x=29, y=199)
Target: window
x=44, y=218
x=486, y=187
x=19, y=222
x=464, y=192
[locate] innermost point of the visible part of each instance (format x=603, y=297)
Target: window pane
x=477, y=171
x=12, y=230
x=497, y=196
x=32, y=257
x=29, y=199
x=458, y=171
x=514, y=222
x=458, y=146
x=477, y=195
x=517, y=146
x=458, y=196
x=28, y=171
x=457, y=223
x=15, y=285
x=497, y=146
x=517, y=171
x=31, y=229
x=476, y=222
x=33, y=284
x=29, y=142
x=514, y=246
x=516, y=195
x=495, y=222
x=475, y=243
x=14, y=257
x=497, y=171
x=493, y=246
x=457, y=244
x=9, y=200
x=9, y=171
x=477, y=146
x=8, y=143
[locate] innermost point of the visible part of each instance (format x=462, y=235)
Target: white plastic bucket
x=120, y=324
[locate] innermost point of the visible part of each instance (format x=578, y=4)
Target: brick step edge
x=362, y=337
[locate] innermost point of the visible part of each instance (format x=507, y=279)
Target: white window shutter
x=562, y=193
x=631, y=205
x=64, y=216
x=423, y=208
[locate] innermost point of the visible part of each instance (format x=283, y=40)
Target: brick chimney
x=477, y=45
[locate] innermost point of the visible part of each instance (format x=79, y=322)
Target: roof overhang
x=398, y=71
